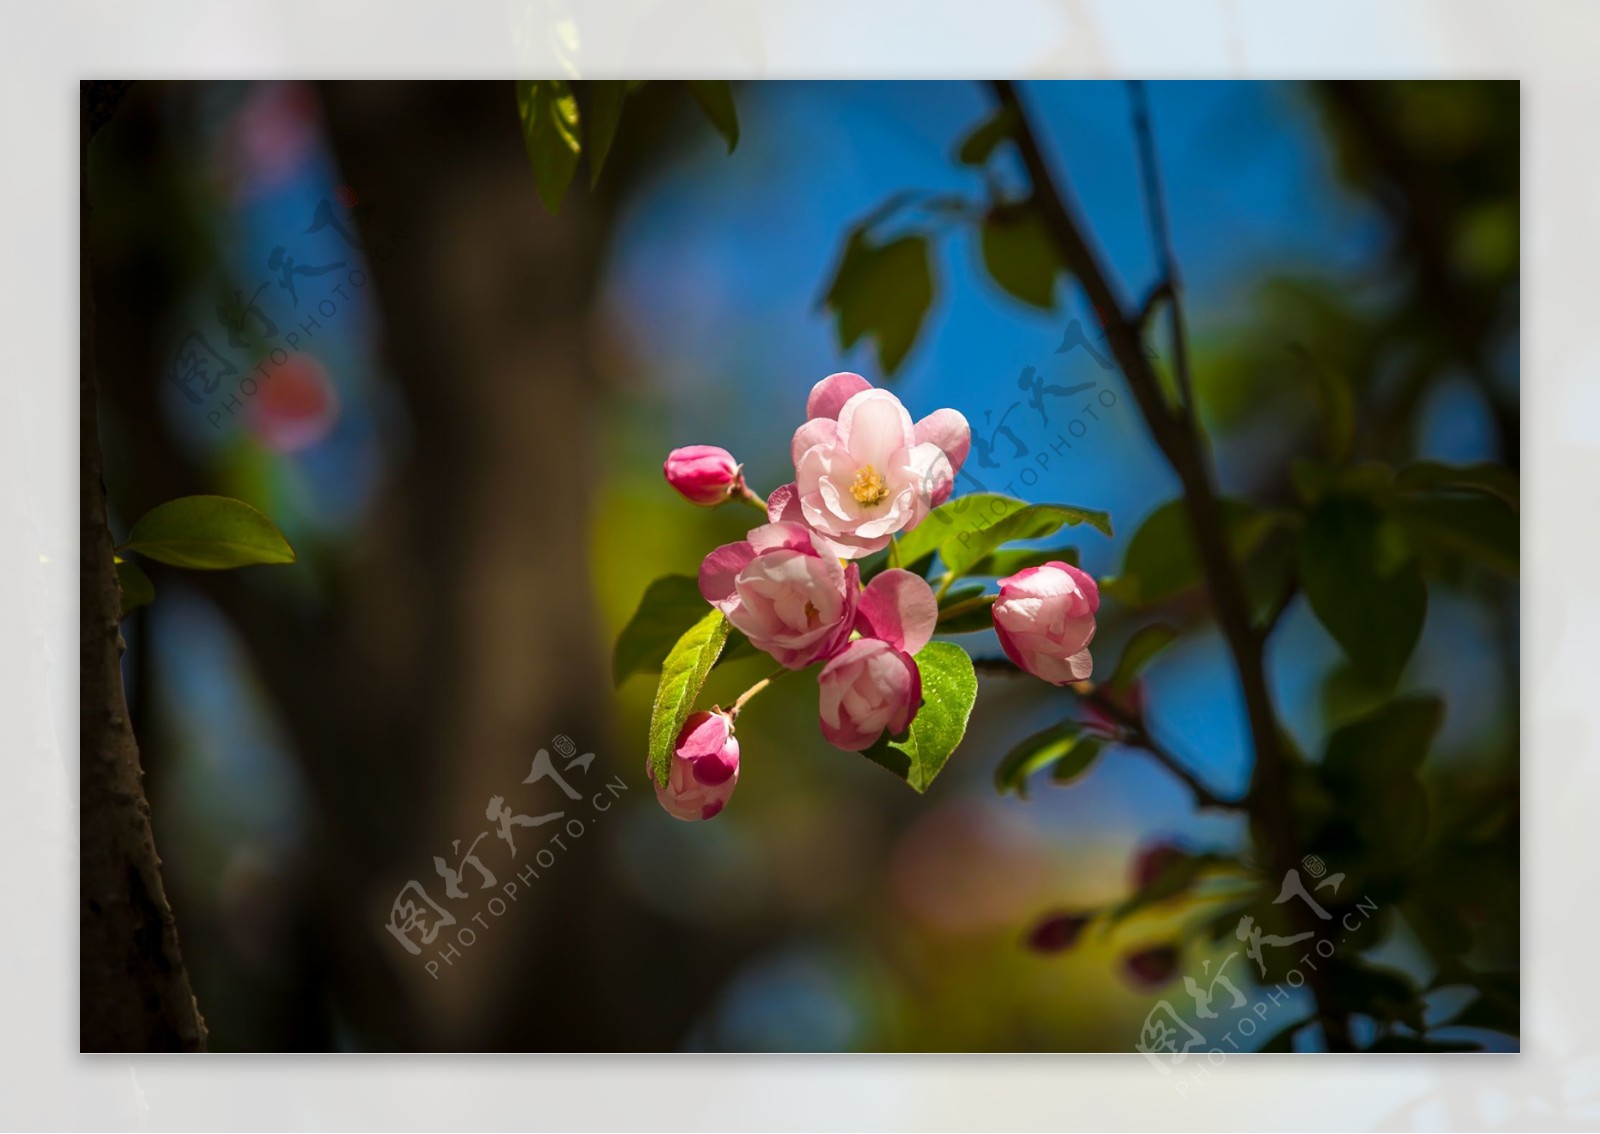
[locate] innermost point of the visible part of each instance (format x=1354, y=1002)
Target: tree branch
x=133, y=989
x=1176, y=436
x=1156, y=208
x=1135, y=735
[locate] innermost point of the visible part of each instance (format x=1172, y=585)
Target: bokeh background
x=466, y=453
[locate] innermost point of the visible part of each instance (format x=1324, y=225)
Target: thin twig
x=1134, y=734
x=1155, y=205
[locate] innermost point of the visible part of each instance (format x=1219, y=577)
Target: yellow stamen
x=868, y=487
x=813, y=615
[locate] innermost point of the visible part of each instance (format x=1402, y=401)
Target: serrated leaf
x=965, y=530
x=1062, y=747
x=949, y=688
x=1364, y=585
x=1020, y=254
x=882, y=291
x=715, y=97
x=137, y=589
x=1146, y=643
x=602, y=116
x=208, y=533
x=683, y=675
x=976, y=147
x=550, y=133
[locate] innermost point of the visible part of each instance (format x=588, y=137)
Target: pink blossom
x=705, y=768
x=786, y=591
x=702, y=474
x=863, y=471
x=1044, y=619
x=868, y=687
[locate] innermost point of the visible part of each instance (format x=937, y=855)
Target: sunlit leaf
x=949, y=688
x=550, y=133
x=683, y=674
x=208, y=533
x=715, y=97
x=965, y=530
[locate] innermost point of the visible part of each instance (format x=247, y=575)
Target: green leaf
x=602, y=115
x=137, y=589
x=972, y=621
x=1061, y=747
x=949, y=688
x=549, y=113
x=1429, y=476
x=882, y=292
x=981, y=142
x=1364, y=585
x=669, y=606
x=1020, y=255
x=999, y=564
x=1146, y=643
x=1371, y=765
x=715, y=97
x=208, y=533
x=683, y=674
x=1160, y=561
x=1388, y=744
x=965, y=530
x=1483, y=529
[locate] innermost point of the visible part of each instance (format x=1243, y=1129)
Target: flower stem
x=749, y=496
x=738, y=706
x=976, y=602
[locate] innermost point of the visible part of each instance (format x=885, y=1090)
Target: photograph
x=800, y=566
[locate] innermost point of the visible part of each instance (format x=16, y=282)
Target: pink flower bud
x=1152, y=968
x=1152, y=861
x=1057, y=932
x=868, y=687
x=702, y=474
x=705, y=768
x=1044, y=619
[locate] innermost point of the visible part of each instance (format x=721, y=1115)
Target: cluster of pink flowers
x=864, y=473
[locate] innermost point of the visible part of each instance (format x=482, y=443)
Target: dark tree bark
x=133, y=989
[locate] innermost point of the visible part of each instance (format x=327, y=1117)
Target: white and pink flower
x=873, y=684
x=863, y=470
x=786, y=591
x=1044, y=619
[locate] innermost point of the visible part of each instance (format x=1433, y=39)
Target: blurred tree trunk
x=456, y=637
x=133, y=988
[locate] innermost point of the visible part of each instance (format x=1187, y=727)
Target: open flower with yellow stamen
x=863, y=471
